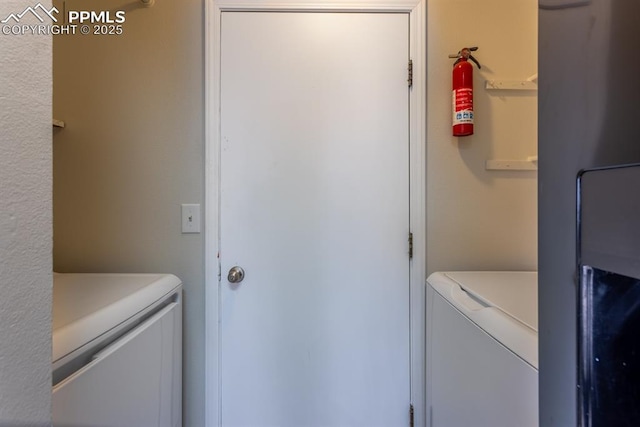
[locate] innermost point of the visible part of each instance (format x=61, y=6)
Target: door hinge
x=410, y=245
x=410, y=73
x=411, y=418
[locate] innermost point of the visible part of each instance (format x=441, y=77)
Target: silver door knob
x=236, y=274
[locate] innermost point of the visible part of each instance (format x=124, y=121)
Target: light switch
x=190, y=218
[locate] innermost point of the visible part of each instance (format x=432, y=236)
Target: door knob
x=236, y=274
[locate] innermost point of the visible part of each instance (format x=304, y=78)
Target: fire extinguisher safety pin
x=461, y=52
x=465, y=54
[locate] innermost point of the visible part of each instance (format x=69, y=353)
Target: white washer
x=117, y=350
x=482, y=349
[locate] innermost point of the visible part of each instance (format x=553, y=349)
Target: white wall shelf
x=530, y=164
x=58, y=123
x=530, y=83
x=511, y=85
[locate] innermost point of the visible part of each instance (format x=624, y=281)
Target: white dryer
x=482, y=349
x=117, y=350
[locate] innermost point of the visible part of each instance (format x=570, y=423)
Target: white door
x=315, y=208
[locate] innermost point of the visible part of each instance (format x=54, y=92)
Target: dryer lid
x=87, y=305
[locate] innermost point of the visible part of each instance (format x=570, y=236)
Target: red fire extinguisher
x=463, y=92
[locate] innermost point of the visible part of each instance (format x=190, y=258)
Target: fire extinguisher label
x=462, y=105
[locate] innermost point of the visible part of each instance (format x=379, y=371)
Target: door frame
x=417, y=10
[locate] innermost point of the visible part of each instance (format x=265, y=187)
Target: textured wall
x=25, y=226
x=479, y=219
x=131, y=153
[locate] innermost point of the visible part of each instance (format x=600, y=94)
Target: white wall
x=131, y=152
x=25, y=226
x=478, y=219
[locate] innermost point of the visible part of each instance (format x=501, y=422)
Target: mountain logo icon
x=34, y=11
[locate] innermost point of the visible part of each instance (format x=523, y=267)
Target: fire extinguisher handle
x=465, y=54
x=475, y=60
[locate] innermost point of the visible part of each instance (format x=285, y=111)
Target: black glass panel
x=609, y=297
x=610, y=349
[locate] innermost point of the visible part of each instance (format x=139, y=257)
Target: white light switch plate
x=190, y=218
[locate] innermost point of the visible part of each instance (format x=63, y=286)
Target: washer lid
x=86, y=306
x=513, y=292
x=503, y=304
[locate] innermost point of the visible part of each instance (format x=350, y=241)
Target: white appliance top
x=86, y=305
x=503, y=303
